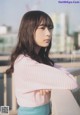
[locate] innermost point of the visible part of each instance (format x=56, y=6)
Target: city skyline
x=12, y=11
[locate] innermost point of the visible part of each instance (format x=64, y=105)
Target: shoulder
x=22, y=59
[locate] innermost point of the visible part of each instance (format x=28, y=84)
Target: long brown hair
x=29, y=23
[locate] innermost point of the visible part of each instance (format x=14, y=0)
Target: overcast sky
x=11, y=11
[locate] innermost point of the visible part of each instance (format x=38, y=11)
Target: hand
x=44, y=91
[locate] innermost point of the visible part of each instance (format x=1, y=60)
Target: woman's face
x=43, y=35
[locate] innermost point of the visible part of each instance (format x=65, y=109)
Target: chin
x=45, y=46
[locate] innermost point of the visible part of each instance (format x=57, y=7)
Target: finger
x=44, y=92
x=41, y=92
x=47, y=91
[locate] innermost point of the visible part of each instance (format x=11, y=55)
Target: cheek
x=38, y=40
x=38, y=36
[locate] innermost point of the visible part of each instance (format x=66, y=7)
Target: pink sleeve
x=31, y=75
x=63, y=69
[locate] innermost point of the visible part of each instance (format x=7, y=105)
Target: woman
x=33, y=71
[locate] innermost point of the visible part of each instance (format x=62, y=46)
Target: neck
x=37, y=49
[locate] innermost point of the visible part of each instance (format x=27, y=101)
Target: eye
x=42, y=28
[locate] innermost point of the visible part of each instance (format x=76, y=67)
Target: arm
x=35, y=76
x=62, y=69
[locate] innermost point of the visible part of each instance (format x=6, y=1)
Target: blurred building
x=3, y=29
x=8, y=39
x=59, y=33
x=69, y=44
x=77, y=40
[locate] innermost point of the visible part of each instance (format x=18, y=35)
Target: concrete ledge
x=63, y=103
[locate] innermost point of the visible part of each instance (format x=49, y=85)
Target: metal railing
x=12, y=104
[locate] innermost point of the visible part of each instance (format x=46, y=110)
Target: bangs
x=46, y=21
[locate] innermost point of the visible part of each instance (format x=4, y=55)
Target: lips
x=47, y=40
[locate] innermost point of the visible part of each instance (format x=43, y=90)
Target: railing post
x=5, y=89
x=14, y=103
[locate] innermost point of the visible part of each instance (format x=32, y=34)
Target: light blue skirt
x=40, y=110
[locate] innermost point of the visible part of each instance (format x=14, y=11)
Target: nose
x=47, y=31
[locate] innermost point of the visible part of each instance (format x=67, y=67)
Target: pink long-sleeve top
x=31, y=76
